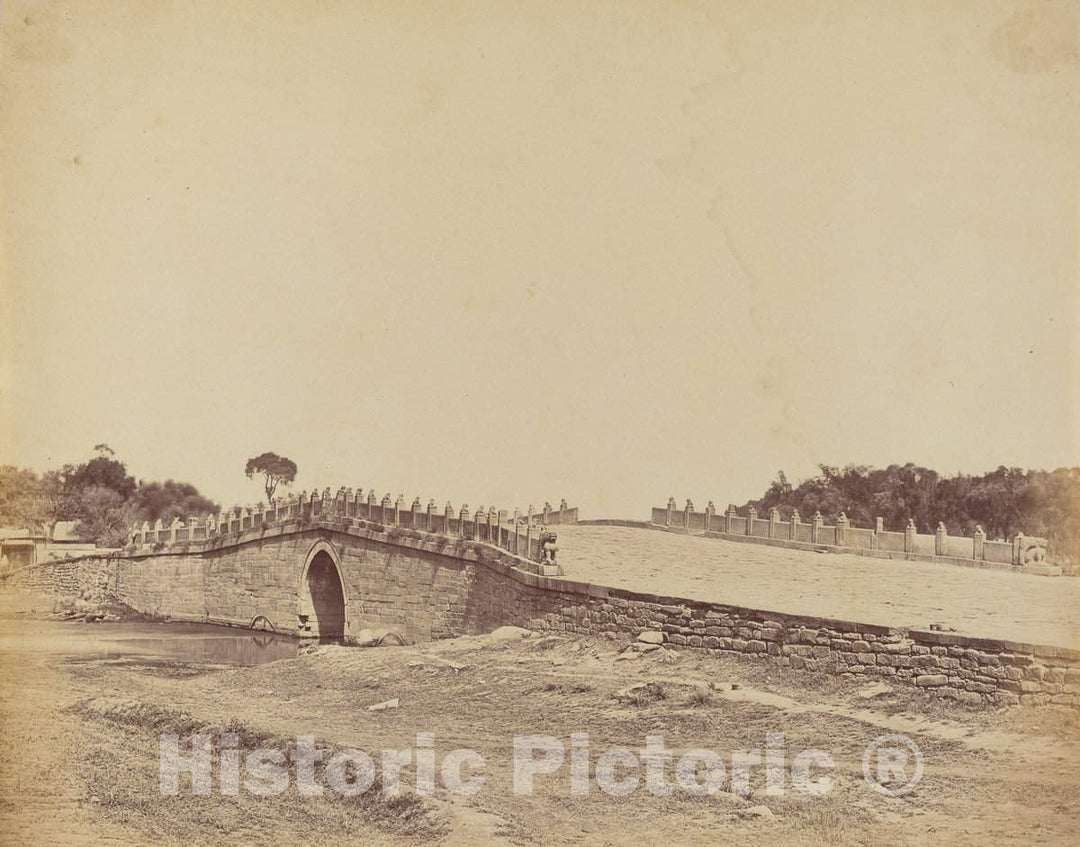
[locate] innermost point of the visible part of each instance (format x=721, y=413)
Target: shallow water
x=202, y=643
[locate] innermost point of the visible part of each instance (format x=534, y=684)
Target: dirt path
x=43, y=799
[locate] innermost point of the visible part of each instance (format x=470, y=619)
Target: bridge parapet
x=523, y=535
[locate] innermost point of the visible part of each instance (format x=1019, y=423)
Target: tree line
x=1004, y=501
x=99, y=494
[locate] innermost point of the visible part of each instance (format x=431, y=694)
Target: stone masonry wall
x=66, y=577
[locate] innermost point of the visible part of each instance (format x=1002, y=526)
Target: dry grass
x=700, y=696
x=132, y=801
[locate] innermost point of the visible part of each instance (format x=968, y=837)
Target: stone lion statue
x=549, y=548
x=1032, y=550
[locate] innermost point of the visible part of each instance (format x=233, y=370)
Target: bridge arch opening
x=322, y=596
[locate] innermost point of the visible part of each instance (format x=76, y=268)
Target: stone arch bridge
x=338, y=566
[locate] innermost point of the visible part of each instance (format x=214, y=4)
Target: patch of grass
x=402, y=814
x=700, y=696
x=566, y=688
x=649, y=693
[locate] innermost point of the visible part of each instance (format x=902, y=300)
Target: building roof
x=11, y=532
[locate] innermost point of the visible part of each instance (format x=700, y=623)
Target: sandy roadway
x=80, y=759
x=994, y=604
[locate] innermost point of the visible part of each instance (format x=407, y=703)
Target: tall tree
x=22, y=499
x=276, y=470
x=104, y=516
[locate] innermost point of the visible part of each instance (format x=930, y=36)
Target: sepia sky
x=505, y=252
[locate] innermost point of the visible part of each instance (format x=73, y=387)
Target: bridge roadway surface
x=987, y=603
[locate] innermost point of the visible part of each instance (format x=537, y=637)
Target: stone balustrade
x=517, y=533
x=1021, y=552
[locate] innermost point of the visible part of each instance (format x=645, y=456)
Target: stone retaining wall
x=976, y=670
x=66, y=577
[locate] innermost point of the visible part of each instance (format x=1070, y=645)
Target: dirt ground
x=80, y=762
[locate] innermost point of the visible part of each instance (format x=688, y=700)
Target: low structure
x=21, y=548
